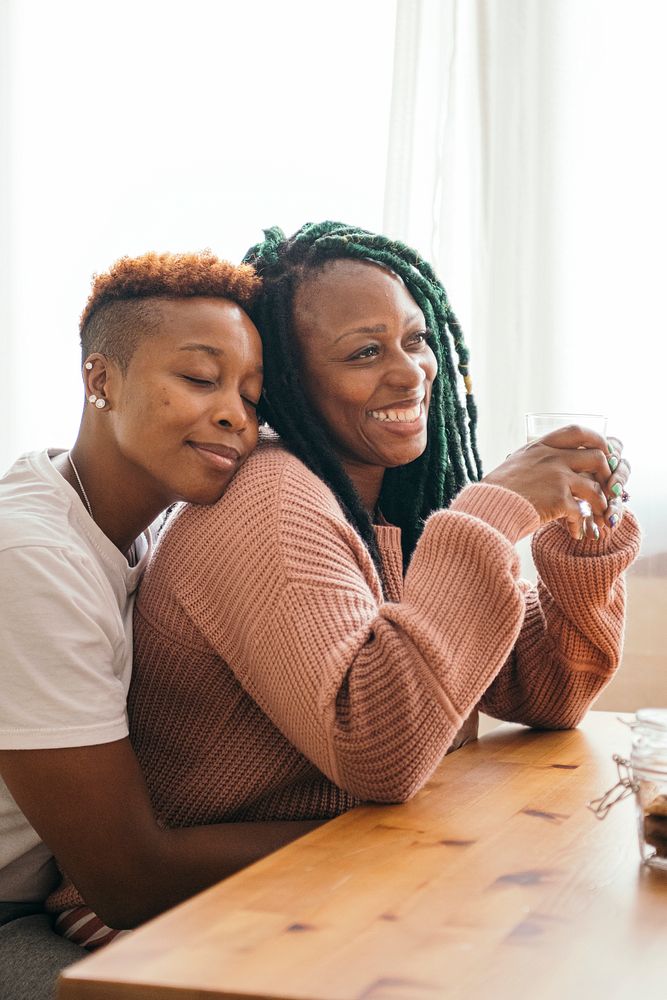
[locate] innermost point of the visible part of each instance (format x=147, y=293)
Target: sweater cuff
x=508, y=512
x=554, y=538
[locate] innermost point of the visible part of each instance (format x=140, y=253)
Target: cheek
x=143, y=405
x=153, y=417
x=344, y=409
x=173, y=405
x=152, y=414
x=337, y=397
x=326, y=396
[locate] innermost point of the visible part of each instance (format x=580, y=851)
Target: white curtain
x=7, y=406
x=528, y=160
x=154, y=124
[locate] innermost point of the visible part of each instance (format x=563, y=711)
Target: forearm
x=371, y=690
x=382, y=687
x=430, y=659
x=540, y=685
x=572, y=637
x=90, y=805
x=184, y=862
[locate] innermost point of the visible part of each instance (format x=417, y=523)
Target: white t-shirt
x=66, y=597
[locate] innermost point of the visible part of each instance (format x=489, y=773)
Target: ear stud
x=89, y=366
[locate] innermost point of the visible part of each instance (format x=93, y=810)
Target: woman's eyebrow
x=216, y=352
x=207, y=348
x=379, y=327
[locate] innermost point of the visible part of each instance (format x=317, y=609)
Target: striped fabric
x=81, y=926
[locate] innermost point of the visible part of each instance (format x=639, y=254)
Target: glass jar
x=645, y=775
x=648, y=764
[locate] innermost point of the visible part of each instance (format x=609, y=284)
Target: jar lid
x=652, y=717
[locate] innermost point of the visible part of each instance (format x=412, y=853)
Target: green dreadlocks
x=451, y=459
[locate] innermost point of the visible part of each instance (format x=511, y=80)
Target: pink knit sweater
x=274, y=681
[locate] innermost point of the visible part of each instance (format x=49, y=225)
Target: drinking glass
x=539, y=424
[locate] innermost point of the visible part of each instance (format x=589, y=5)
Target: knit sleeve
x=371, y=692
x=572, y=637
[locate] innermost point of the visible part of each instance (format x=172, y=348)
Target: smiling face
x=182, y=417
x=367, y=367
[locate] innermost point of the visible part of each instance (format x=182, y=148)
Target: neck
x=367, y=481
x=120, y=509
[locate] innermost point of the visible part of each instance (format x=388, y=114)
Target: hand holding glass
x=539, y=424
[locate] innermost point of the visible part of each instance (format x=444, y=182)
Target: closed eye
x=197, y=381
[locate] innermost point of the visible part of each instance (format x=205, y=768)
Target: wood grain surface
x=495, y=881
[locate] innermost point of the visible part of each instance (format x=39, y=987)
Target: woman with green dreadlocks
x=326, y=632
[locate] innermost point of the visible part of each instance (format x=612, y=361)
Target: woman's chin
x=207, y=493
x=404, y=456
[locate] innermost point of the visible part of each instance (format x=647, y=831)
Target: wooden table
x=495, y=881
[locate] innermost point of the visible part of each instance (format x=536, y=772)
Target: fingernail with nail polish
x=596, y=533
x=610, y=448
x=613, y=520
x=617, y=489
x=613, y=462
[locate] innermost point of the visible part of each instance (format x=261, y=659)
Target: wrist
x=503, y=509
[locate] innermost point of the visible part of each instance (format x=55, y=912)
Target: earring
x=89, y=366
x=100, y=403
x=92, y=398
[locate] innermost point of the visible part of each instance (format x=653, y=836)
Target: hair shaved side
x=123, y=305
x=451, y=458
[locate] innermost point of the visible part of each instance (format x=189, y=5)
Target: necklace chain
x=78, y=479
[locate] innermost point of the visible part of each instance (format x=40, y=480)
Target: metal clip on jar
x=645, y=774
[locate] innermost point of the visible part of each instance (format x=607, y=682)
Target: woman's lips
x=218, y=456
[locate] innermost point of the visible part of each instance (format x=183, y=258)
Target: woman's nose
x=406, y=371
x=231, y=412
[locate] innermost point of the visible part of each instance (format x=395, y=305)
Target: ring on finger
x=586, y=512
x=585, y=508
x=614, y=512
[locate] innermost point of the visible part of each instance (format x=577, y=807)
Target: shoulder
x=275, y=474
x=273, y=484
x=276, y=514
x=50, y=576
x=43, y=541
x=34, y=505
